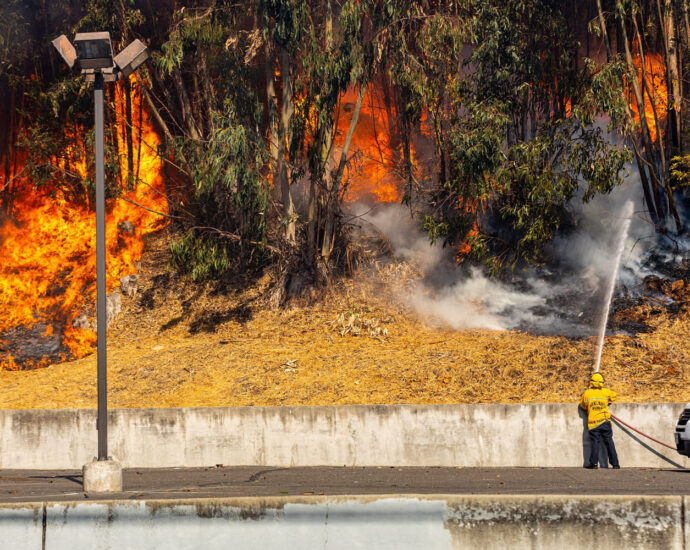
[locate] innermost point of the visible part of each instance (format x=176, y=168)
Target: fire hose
x=642, y=433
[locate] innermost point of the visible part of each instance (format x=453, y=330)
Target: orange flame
x=48, y=258
x=470, y=208
x=374, y=175
x=655, y=74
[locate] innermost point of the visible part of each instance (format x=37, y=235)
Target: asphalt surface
x=247, y=481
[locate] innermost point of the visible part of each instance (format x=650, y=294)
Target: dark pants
x=602, y=431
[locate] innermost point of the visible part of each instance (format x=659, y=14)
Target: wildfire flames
x=48, y=251
x=655, y=73
x=374, y=174
x=48, y=266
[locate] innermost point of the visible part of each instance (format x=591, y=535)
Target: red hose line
x=642, y=433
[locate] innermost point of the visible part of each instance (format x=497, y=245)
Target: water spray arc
x=626, y=215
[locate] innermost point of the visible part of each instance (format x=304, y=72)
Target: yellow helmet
x=596, y=381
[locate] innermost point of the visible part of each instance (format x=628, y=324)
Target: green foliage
x=200, y=28
x=284, y=21
x=543, y=174
x=330, y=65
x=59, y=140
x=226, y=205
x=680, y=171
x=515, y=124
x=106, y=14
x=514, y=116
x=202, y=256
x=53, y=119
x=230, y=200
x=14, y=30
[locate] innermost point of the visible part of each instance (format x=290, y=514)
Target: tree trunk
x=154, y=111
x=686, y=25
x=128, y=133
x=644, y=181
x=333, y=203
x=651, y=204
x=6, y=196
x=604, y=33
x=272, y=103
x=166, y=178
x=197, y=106
x=286, y=112
x=440, y=151
x=320, y=176
x=187, y=113
x=111, y=129
x=141, y=117
x=664, y=176
x=646, y=138
x=407, y=154
x=164, y=127
x=673, y=85
x=208, y=89
x=652, y=100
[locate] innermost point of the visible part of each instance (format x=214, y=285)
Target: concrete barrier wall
x=345, y=523
x=552, y=435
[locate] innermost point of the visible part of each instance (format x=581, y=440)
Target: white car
x=683, y=432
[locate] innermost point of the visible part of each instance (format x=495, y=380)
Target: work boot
x=616, y=467
x=591, y=467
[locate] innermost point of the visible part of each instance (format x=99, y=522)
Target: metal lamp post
x=92, y=53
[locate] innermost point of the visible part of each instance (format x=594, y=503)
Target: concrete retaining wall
x=335, y=523
x=552, y=435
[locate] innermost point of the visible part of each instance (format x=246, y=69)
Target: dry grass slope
x=177, y=345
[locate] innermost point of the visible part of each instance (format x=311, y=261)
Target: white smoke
x=409, y=242
x=476, y=302
x=461, y=302
x=565, y=301
x=587, y=250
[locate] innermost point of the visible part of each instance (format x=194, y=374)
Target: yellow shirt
x=596, y=402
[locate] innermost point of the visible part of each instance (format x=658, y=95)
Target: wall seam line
x=683, y=521
x=44, y=526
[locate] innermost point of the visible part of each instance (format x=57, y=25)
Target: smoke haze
x=563, y=298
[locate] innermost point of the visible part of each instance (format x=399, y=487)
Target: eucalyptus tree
x=341, y=56
x=513, y=116
x=652, y=35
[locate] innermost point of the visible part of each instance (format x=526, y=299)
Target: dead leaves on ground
x=356, y=324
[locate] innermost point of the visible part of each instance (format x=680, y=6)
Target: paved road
x=169, y=483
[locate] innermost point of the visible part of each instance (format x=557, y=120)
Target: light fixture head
x=131, y=57
x=66, y=50
x=94, y=50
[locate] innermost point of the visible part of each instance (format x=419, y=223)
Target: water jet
x=624, y=227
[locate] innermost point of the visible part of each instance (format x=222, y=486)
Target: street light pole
x=101, y=317
x=94, y=56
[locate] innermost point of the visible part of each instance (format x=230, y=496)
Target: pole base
x=102, y=476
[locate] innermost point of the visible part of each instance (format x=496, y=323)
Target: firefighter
x=596, y=401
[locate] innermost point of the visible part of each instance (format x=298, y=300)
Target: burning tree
x=649, y=37
x=297, y=62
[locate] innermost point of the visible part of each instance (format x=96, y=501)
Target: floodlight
x=94, y=50
x=66, y=50
x=131, y=57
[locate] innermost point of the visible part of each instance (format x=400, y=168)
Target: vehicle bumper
x=682, y=445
